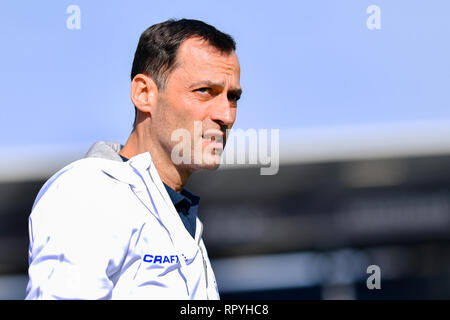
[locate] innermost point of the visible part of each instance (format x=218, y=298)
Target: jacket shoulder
x=82, y=177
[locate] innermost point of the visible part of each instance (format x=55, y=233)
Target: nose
x=223, y=112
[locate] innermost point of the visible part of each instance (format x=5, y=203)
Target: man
x=119, y=224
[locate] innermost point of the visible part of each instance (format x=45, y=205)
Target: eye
x=203, y=90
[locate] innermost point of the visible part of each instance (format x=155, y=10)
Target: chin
x=203, y=167
x=209, y=162
x=206, y=168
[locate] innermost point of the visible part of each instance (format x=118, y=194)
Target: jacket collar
x=141, y=174
x=154, y=196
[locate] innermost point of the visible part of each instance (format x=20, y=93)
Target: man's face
x=200, y=97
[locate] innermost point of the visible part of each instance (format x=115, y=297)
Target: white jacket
x=101, y=228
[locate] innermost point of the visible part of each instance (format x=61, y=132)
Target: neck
x=173, y=176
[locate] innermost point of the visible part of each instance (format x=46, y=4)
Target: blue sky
x=304, y=64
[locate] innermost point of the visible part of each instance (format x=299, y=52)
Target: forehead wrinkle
x=214, y=73
x=212, y=62
x=195, y=60
x=200, y=52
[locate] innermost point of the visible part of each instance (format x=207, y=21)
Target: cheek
x=184, y=109
x=190, y=111
x=183, y=114
x=176, y=111
x=233, y=114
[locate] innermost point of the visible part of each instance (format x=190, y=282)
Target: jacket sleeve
x=77, y=244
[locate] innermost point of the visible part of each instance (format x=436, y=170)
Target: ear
x=144, y=92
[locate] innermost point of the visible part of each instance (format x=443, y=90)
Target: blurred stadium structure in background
x=343, y=199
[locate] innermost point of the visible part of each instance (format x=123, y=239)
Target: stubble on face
x=180, y=106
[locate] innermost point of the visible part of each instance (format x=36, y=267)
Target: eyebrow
x=209, y=83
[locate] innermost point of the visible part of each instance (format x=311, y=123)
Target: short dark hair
x=158, y=45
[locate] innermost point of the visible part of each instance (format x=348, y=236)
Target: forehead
x=197, y=58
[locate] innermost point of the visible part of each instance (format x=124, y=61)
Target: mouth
x=212, y=133
x=214, y=137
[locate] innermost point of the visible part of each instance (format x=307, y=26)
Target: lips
x=212, y=134
x=214, y=137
